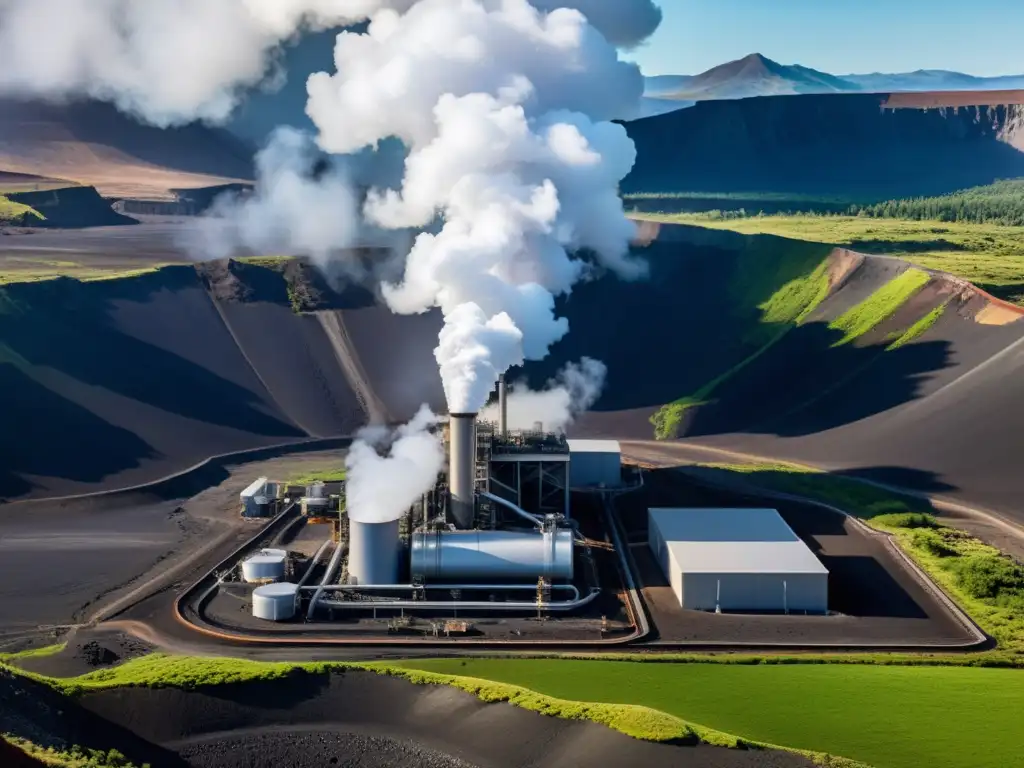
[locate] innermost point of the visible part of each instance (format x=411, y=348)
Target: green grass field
x=886, y=717
x=991, y=256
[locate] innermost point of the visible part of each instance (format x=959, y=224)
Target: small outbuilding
x=255, y=499
x=736, y=560
x=595, y=463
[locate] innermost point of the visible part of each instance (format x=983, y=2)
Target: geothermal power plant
x=495, y=535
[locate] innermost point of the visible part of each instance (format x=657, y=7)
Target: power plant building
x=256, y=499
x=595, y=463
x=736, y=560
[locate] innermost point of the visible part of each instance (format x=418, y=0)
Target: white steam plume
x=380, y=488
x=572, y=392
x=503, y=111
x=291, y=210
x=173, y=61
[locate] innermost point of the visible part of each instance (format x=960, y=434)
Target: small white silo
x=264, y=566
x=275, y=602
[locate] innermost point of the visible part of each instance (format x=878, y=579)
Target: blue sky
x=979, y=37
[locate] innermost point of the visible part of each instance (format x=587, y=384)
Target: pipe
x=314, y=561
x=328, y=574
x=461, y=463
x=391, y=587
x=502, y=406
x=433, y=605
x=519, y=511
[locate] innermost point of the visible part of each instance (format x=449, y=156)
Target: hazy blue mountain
x=757, y=75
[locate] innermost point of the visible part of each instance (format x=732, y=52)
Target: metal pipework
x=332, y=566
x=410, y=587
x=461, y=465
x=433, y=605
x=489, y=555
x=519, y=511
x=502, y=406
x=314, y=561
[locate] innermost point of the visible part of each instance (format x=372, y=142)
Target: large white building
x=736, y=560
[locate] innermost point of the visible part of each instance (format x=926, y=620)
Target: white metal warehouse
x=595, y=463
x=736, y=560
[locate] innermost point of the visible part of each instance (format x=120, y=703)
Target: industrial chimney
x=502, y=406
x=461, y=465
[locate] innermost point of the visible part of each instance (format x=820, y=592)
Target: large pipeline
x=433, y=605
x=332, y=566
x=509, y=505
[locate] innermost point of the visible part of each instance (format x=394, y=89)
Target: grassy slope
x=634, y=720
x=886, y=717
x=72, y=758
x=985, y=583
x=990, y=256
x=784, y=289
x=16, y=212
x=878, y=307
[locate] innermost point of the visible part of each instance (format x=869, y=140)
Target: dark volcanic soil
x=879, y=601
x=359, y=717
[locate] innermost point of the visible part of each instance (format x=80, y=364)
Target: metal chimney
x=461, y=466
x=502, y=406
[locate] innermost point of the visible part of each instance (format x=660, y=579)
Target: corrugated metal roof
x=733, y=541
x=594, y=446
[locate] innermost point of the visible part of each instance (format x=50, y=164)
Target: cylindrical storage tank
x=455, y=556
x=266, y=565
x=275, y=602
x=372, y=552
x=461, y=465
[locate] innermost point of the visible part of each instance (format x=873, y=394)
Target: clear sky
x=979, y=37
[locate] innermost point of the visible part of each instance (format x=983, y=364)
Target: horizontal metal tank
x=275, y=602
x=455, y=556
x=373, y=552
x=265, y=565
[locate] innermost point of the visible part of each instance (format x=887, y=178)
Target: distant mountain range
x=757, y=75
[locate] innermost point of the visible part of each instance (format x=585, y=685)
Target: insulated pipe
x=399, y=587
x=433, y=605
x=519, y=511
x=461, y=463
x=314, y=561
x=502, y=406
x=328, y=574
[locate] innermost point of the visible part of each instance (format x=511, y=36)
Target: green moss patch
x=879, y=307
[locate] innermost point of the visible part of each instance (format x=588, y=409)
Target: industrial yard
x=529, y=538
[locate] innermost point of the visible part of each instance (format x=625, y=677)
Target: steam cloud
x=380, y=488
x=504, y=112
x=173, y=61
x=576, y=387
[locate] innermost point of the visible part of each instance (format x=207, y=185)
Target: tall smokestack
x=461, y=461
x=502, y=405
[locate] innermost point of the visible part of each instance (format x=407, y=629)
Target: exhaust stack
x=502, y=406
x=462, y=461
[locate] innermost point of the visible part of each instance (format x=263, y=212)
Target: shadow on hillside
x=66, y=362
x=903, y=246
x=804, y=385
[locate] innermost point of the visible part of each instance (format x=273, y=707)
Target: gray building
x=255, y=500
x=595, y=463
x=736, y=560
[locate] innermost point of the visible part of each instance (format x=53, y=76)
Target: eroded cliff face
x=839, y=144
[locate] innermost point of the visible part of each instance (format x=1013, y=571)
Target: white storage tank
x=265, y=565
x=372, y=552
x=453, y=556
x=275, y=602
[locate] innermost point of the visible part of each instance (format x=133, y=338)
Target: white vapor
x=572, y=392
x=291, y=210
x=173, y=61
x=503, y=110
x=380, y=488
